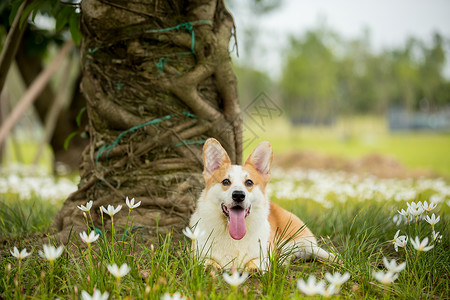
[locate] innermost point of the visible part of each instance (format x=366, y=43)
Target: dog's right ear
x=214, y=156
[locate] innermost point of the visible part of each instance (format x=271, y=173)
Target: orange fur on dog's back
x=282, y=221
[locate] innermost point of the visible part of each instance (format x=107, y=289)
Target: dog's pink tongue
x=237, y=223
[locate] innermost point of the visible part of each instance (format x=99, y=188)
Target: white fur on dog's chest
x=216, y=243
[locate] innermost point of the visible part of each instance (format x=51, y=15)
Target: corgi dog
x=238, y=222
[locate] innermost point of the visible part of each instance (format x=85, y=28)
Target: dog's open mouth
x=236, y=216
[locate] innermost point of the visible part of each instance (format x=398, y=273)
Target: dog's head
x=233, y=188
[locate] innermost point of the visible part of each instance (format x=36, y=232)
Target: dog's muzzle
x=236, y=220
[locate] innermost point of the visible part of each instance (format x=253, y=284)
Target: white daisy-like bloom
x=415, y=209
x=174, y=296
x=337, y=279
x=311, y=287
x=437, y=237
x=401, y=242
x=429, y=207
x=421, y=245
x=88, y=239
x=97, y=295
x=394, y=240
x=193, y=235
x=235, y=279
x=397, y=219
x=329, y=291
x=87, y=207
x=385, y=278
x=130, y=203
x=118, y=272
x=433, y=220
x=392, y=265
x=111, y=211
x=51, y=253
x=23, y=253
x=403, y=212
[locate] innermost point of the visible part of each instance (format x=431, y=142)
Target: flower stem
x=51, y=277
x=117, y=287
x=91, y=265
x=90, y=217
x=19, y=285
x=112, y=238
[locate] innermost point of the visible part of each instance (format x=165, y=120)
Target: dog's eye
x=226, y=182
x=248, y=182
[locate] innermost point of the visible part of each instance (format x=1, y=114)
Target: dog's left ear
x=261, y=159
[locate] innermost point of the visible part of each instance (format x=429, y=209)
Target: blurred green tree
x=324, y=75
x=309, y=78
x=32, y=56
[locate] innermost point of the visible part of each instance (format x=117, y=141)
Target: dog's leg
x=307, y=249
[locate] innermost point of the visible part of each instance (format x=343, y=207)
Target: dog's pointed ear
x=214, y=156
x=261, y=159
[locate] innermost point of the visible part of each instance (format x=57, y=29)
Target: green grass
x=355, y=137
x=23, y=217
x=358, y=232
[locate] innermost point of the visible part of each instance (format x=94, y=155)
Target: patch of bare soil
x=375, y=164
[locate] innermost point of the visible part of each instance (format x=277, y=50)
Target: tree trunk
x=158, y=81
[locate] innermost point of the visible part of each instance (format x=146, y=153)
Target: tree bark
x=158, y=80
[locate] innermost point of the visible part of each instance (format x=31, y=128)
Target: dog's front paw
x=253, y=265
x=209, y=262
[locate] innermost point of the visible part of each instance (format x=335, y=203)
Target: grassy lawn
x=353, y=215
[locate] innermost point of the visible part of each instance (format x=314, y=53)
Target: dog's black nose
x=238, y=196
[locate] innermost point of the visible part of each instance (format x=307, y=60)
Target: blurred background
x=331, y=84
x=360, y=80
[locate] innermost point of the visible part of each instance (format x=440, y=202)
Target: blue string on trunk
x=108, y=148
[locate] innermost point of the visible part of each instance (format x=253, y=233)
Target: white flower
x=87, y=207
x=22, y=254
x=50, y=252
x=97, y=295
x=88, y=239
x=329, y=291
x=437, y=237
x=337, y=279
x=175, y=296
x=401, y=242
x=394, y=240
x=403, y=212
x=118, y=272
x=111, y=211
x=421, y=245
x=235, y=279
x=311, y=287
x=131, y=204
x=399, y=219
x=429, y=207
x=415, y=209
x=385, y=278
x=392, y=265
x=193, y=235
x=433, y=220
